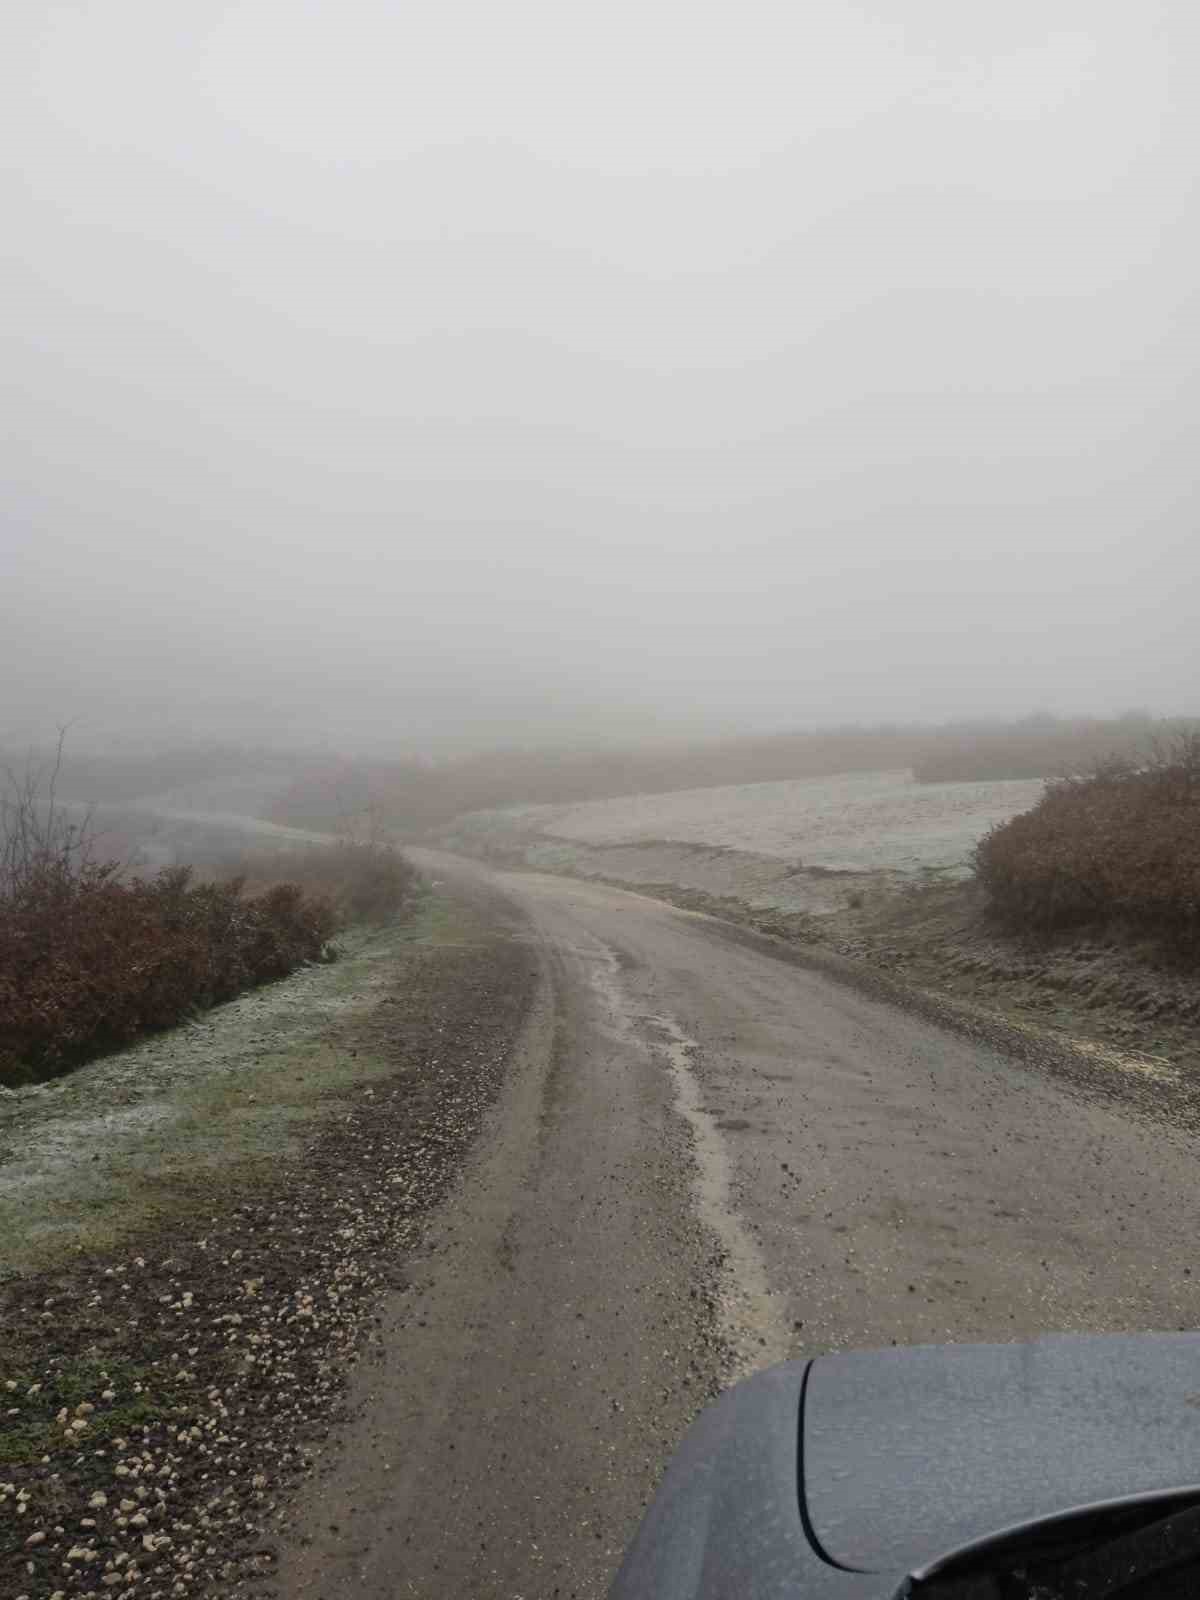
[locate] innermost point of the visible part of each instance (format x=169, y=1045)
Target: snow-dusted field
x=865, y=822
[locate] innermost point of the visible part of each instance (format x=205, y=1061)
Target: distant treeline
x=120, y=774
x=1042, y=747
x=411, y=797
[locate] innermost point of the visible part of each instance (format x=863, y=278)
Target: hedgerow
x=92, y=956
x=89, y=961
x=1120, y=847
x=363, y=880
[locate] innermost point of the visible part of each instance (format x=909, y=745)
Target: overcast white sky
x=392, y=371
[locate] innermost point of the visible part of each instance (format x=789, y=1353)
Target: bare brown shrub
x=1121, y=846
x=89, y=962
x=38, y=835
x=363, y=880
x=91, y=958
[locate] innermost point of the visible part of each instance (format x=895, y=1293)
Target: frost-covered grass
x=147, y=1133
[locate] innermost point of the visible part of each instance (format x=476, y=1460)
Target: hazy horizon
x=467, y=375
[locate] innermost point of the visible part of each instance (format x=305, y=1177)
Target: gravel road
x=707, y=1157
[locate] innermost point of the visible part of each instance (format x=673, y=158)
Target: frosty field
x=796, y=845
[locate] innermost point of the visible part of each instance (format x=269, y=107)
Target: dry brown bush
x=89, y=961
x=363, y=880
x=91, y=957
x=1121, y=846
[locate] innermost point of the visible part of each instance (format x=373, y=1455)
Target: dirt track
x=687, y=1091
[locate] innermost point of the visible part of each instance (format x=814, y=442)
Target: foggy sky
x=419, y=373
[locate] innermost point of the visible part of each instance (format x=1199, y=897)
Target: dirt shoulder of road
x=1117, y=991
x=194, y=1234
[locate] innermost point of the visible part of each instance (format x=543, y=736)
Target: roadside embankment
x=193, y=1234
x=1094, y=986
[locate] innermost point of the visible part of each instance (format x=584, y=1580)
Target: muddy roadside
x=193, y=1238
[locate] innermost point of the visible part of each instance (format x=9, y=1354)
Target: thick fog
x=381, y=373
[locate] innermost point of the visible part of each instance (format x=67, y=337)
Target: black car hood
x=908, y=1454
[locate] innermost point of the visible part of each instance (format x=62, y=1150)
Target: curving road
x=709, y=1157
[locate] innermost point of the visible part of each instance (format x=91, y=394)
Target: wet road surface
x=708, y=1158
